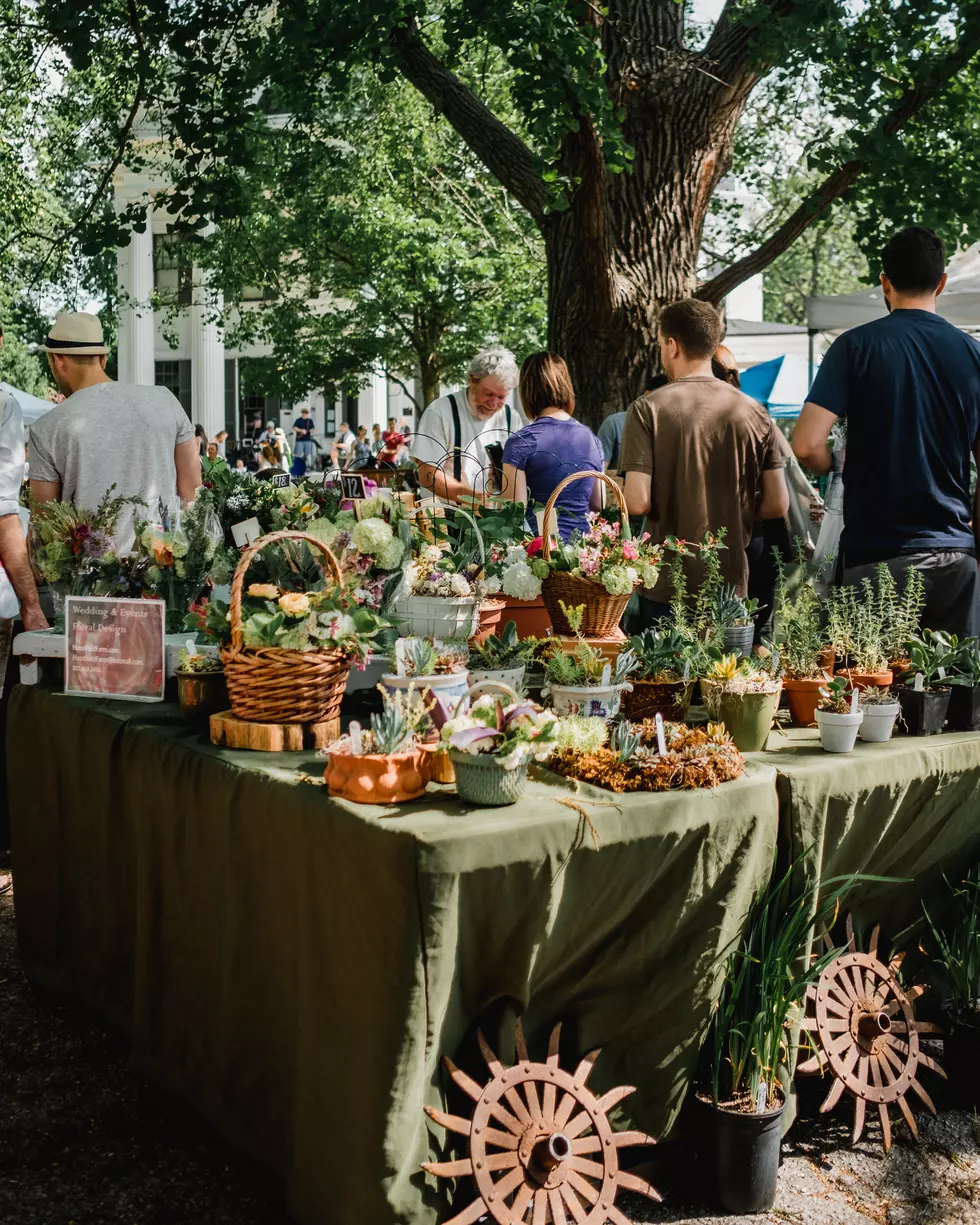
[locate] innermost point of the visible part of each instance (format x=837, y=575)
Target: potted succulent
x=838, y=716
x=801, y=642
x=201, y=688
x=744, y=697
x=881, y=709
x=492, y=743
x=860, y=636
x=964, y=697
x=661, y=682
x=957, y=959
x=424, y=665
x=582, y=681
x=735, y=619
x=385, y=765
x=925, y=692
x=503, y=659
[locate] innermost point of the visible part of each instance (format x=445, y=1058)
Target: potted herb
x=900, y=614
x=502, y=659
x=861, y=636
x=744, y=697
x=881, y=709
x=492, y=744
x=838, y=716
x=385, y=765
x=957, y=959
x=802, y=646
x=964, y=697
x=925, y=692
x=735, y=619
x=582, y=681
x=424, y=665
x=201, y=688
x=661, y=682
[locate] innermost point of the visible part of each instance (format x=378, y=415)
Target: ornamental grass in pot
x=582, y=681
x=503, y=659
x=744, y=697
x=386, y=764
x=925, y=691
x=492, y=741
x=881, y=708
x=661, y=682
x=964, y=697
x=801, y=641
x=838, y=716
x=955, y=947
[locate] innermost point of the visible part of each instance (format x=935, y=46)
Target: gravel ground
x=82, y=1142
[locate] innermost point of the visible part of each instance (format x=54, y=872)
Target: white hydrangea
x=648, y=574
x=520, y=582
x=390, y=557
x=492, y=585
x=619, y=580
x=459, y=585
x=515, y=552
x=371, y=535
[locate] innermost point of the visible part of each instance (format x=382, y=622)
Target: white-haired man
x=450, y=443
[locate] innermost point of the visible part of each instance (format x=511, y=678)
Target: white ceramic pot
x=449, y=687
x=513, y=678
x=424, y=616
x=592, y=700
x=838, y=733
x=879, y=722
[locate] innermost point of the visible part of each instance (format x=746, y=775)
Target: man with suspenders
x=450, y=444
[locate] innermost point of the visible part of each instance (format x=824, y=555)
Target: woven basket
x=603, y=612
x=273, y=685
x=480, y=778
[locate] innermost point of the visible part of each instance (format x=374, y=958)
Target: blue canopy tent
x=780, y=385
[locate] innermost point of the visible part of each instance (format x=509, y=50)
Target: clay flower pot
x=530, y=616
x=201, y=694
x=826, y=660
x=491, y=612
x=440, y=765
x=802, y=696
x=370, y=778
x=866, y=680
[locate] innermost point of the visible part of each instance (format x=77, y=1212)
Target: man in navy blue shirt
x=908, y=388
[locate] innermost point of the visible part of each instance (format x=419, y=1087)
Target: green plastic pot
x=748, y=716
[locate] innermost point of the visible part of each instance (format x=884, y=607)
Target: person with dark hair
x=538, y=458
x=699, y=455
x=908, y=388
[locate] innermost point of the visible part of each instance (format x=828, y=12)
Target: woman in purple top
x=539, y=457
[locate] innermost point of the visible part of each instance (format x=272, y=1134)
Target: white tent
x=31, y=407
x=959, y=302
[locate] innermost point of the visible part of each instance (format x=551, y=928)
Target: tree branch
x=912, y=100
x=730, y=45
x=503, y=152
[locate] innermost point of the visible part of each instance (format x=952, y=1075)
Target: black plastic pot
x=739, y=639
x=924, y=710
x=964, y=708
x=741, y=1157
x=961, y=1062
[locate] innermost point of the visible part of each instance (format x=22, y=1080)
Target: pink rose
x=630, y=551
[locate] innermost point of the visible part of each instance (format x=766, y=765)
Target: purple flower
x=96, y=544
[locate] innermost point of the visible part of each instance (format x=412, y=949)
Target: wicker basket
x=273, y=685
x=480, y=778
x=603, y=612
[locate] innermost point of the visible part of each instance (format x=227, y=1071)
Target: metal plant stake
x=864, y=1029
x=541, y=1149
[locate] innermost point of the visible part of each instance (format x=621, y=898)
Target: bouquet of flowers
x=371, y=549
x=179, y=549
x=72, y=547
x=606, y=557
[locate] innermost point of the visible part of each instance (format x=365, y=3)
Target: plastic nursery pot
x=670, y=699
x=424, y=616
x=201, y=694
x=370, y=778
x=741, y=1154
x=838, y=733
x=603, y=701
x=802, y=696
x=513, y=678
x=739, y=639
x=964, y=708
x=867, y=680
x=879, y=722
x=490, y=614
x=530, y=616
x=961, y=1061
x=481, y=779
x=747, y=715
x=923, y=710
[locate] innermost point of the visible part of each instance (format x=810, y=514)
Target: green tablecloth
x=296, y=966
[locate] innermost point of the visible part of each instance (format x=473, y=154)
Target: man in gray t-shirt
x=105, y=433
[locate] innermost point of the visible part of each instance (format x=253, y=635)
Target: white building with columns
x=171, y=333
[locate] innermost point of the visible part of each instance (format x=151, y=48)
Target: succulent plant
x=391, y=730
x=625, y=742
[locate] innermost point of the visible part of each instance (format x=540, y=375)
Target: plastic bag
x=828, y=542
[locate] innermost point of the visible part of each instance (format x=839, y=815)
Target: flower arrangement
x=512, y=733
x=695, y=757
x=605, y=556
x=74, y=548
x=178, y=550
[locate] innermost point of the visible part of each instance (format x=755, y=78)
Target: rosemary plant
x=957, y=945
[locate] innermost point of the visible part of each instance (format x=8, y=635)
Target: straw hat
x=75, y=334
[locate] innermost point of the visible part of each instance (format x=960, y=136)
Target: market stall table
x=296, y=966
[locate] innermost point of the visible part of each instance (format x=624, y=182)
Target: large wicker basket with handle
x=603, y=612
x=274, y=685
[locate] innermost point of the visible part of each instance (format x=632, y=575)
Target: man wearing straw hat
x=105, y=433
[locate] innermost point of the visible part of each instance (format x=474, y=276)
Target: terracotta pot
x=491, y=612
x=646, y=699
x=826, y=659
x=440, y=765
x=369, y=778
x=201, y=694
x=609, y=647
x=900, y=665
x=802, y=696
x=530, y=616
x=866, y=680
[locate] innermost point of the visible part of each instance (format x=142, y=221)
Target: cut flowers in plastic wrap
x=607, y=557
x=512, y=733
x=179, y=548
x=73, y=546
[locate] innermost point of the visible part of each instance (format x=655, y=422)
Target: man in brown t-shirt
x=699, y=455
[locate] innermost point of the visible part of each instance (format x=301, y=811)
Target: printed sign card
x=115, y=648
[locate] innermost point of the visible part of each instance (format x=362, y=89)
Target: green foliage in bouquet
x=73, y=547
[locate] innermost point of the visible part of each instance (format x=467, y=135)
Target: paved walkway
x=82, y=1142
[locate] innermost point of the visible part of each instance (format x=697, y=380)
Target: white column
x=379, y=402
x=207, y=358
x=137, y=327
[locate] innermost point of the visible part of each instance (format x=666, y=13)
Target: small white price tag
x=761, y=1099
x=356, y=744
x=606, y=674
x=919, y=682
x=400, y=647
x=687, y=669
x=941, y=672
x=854, y=701
x=661, y=742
